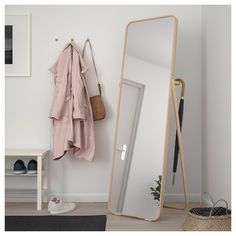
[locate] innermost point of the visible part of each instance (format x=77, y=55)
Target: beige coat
x=71, y=113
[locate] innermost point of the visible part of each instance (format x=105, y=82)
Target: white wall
x=216, y=102
x=28, y=100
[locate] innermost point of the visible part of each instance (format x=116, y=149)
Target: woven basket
x=208, y=218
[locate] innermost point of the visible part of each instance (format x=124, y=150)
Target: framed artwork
x=17, y=45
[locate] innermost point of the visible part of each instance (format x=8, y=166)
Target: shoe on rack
x=19, y=167
x=32, y=167
x=57, y=206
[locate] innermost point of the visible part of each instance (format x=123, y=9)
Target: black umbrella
x=181, y=111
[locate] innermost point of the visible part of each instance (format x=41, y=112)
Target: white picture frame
x=20, y=42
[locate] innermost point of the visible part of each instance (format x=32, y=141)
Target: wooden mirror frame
x=168, y=115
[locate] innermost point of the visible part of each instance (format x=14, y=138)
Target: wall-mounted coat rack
x=57, y=39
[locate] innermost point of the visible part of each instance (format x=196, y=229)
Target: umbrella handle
x=181, y=82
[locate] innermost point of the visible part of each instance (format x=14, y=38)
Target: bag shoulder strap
x=94, y=64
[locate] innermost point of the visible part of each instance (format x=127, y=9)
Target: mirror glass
x=140, y=147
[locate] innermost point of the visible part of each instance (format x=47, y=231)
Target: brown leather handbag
x=96, y=102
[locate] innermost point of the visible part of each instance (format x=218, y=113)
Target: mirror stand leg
x=181, y=152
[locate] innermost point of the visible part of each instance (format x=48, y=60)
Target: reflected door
x=143, y=116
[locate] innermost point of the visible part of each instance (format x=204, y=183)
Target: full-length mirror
x=140, y=148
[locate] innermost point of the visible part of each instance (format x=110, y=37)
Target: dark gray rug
x=55, y=223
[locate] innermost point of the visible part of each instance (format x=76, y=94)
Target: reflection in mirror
x=143, y=117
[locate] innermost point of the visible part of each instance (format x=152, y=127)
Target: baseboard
x=30, y=196
x=82, y=197
x=179, y=197
x=103, y=197
x=18, y=195
x=21, y=195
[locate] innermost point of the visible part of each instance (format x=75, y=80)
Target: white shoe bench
x=42, y=164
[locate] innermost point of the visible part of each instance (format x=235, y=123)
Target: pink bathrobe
x=71, y=113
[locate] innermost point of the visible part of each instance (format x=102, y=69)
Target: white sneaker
x=57, y=206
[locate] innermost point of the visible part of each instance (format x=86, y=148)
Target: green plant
x=156, y=192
